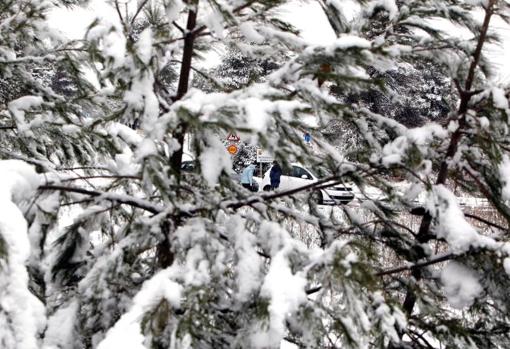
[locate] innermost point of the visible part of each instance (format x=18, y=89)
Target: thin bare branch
x=268, y=197
x=122, y=199
x=138, y=10
x=418, y=265
x=100, y=176
x=81, y=168
x=485, y=221
x=121, y=18
x=181, y=29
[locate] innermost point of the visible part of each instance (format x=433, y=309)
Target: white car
x=299, y=176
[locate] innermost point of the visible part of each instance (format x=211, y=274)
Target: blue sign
x=308, y=138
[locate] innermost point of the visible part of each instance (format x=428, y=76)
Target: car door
x=285, y=182
x=299, y=177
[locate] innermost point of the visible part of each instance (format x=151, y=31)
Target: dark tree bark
x=465, y=96
x=187, y=55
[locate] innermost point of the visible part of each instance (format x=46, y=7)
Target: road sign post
x=233, y=141
x=264, y=156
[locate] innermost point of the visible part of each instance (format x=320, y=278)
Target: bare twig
x=117, y=8
x=81, y=168
x=418, y=265
x=181, y=29
x=138, y=10
x=122, y=199
x=268, y=197
x=100, y=176
x=485, y=221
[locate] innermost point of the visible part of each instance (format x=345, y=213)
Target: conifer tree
x=106, y=243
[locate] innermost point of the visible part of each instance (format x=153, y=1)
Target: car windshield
x=320, y=172
x=188, y=166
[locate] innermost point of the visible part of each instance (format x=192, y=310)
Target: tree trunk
x=465, y=96
x=187, y=55
x=164, y=255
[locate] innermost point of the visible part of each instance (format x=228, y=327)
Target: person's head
x=275, y=162
x=254, y=163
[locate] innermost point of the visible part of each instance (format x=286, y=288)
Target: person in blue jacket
x=247, y=177
x=275, y=174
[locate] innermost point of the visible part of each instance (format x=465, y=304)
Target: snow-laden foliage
x=105, y=242
x=21, y=314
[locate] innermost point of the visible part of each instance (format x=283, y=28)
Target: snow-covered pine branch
x=120, y=247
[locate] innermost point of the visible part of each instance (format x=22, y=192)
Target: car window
x=188, y=166
x=321, y=172
x=299, y=172
x=265, y=168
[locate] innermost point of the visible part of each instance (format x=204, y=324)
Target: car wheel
x=267, y=188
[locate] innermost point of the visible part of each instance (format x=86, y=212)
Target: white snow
x=214, y=22
x=249, y=265
x=452, y=225
x=461, y=285
x=173, y=10
x=124, y=164
x=310, y=19
x=70, y=129
x=249, y=32
x=484, y=122
x=388, y=5
x=389, y=319
x=256, y=111
x=127, y=332
x=59, y=333
x=284, y=289
x=126, y=133
x=73, y=21
x=393, y=152
x=141, y=97
x=197, y=268
x=506, y=265
x=19, y=107
x=214, y=159
x=348, y=41
x=113, y=42
x=144, y=46
x=22, y=315
x=145, y=148
x=423, y=135
x=500, y=100
x=19, y=180
x=504, y=174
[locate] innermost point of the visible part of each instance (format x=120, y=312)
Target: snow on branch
x=22, y=315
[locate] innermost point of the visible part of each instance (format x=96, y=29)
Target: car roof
x=187, y=157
